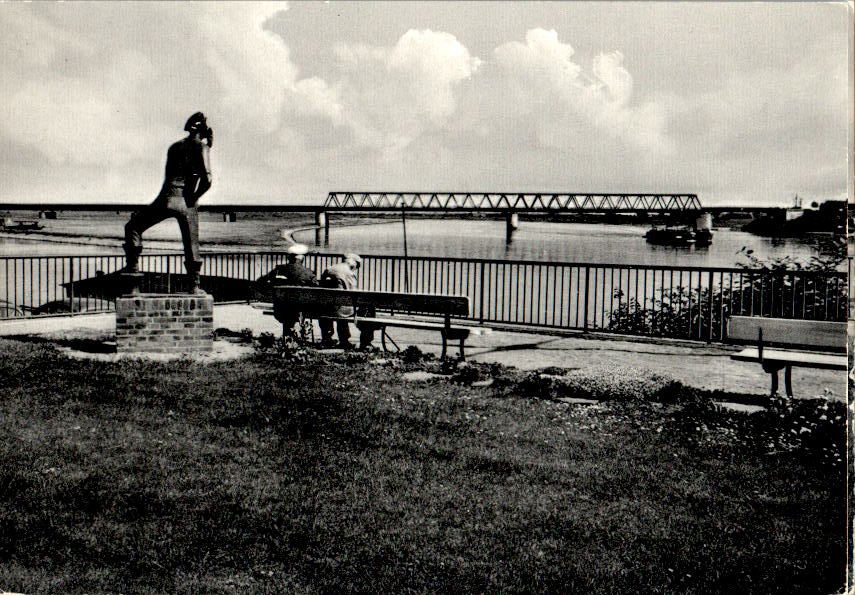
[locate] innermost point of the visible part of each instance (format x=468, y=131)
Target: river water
x=553, y=242
x=534, y=240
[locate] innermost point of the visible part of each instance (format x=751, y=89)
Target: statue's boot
x=194, y=277
x=131, y=272
x=132, y=258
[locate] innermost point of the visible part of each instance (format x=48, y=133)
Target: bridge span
x=511, y=201
x=508, y=203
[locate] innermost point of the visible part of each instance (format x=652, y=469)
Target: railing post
x=710, y=290
x=168, y=274
x=481, y=294
x=71, y=285
x=253, y=274
x=585, y=313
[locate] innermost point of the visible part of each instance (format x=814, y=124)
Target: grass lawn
x=332, y=473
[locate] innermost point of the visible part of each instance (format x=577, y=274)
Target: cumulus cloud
x=431, y=64
x=251, y=64
x=392, y=95
x=314, y=97
x=567, y=102
x=616, y=81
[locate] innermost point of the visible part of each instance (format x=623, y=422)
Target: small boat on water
x=679, y=236
x=19, y=226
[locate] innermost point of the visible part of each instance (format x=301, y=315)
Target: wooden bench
x=783, y=343
x=319, y=302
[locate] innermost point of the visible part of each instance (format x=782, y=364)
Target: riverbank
x=306, y=471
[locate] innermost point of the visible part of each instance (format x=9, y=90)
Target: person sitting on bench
x=292, y=273
x=343, y=276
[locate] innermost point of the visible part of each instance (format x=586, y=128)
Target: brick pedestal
x=164, y=323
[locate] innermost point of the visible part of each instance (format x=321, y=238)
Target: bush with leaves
x=624, y=384
x=266, y=341
x=412, y=355
x=467, y=373
x=780, y=288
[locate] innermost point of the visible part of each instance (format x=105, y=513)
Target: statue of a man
x=188, y=177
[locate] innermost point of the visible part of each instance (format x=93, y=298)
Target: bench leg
x=462, y=353
x=444, y=345
x=788, y=380
x=384, y=336
x=772, y=370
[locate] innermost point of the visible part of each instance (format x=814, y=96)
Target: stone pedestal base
x=164, y=323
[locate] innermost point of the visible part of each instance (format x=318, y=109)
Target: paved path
x=702, y=366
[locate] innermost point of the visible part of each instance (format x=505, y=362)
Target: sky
x=740, y=103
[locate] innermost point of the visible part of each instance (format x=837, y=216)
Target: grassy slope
x=335, y=475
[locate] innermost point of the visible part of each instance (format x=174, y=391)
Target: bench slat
x=817, y=334
x=823, y=361
x=457, y=329
x=316, y=299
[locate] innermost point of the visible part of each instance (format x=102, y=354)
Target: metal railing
x=657, y=301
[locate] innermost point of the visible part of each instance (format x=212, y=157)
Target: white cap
x=354, y=258
x=298, y=249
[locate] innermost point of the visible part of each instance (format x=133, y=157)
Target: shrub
x=449, y=366
x=780, y=288
x=266, y=341
x=619, y=384
x=817, y=425
x=535, y=385
x=468, y=373
x=412, y=355
x=285, y=347
x=356, y=357
x=608, y=384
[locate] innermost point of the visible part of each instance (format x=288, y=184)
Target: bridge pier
x=704, y=221
x=512, y=223
x=322, y=228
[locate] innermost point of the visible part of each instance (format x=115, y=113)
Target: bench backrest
x=320, y=300
x=810, y=334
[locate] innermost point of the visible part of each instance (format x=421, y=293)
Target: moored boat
x=21, y=226
x=679, y=236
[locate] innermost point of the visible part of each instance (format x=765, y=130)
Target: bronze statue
x=187, y=177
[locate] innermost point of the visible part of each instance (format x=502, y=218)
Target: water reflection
x=558, y=242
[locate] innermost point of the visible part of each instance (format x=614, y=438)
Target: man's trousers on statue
x=165, y=207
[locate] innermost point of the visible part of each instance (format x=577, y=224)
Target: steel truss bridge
x=510, y=201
